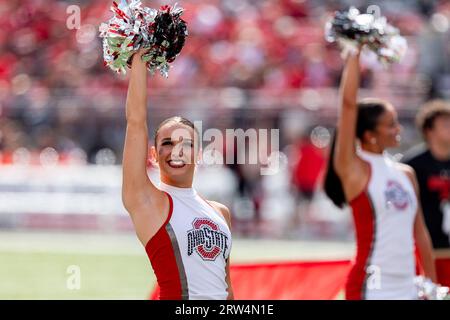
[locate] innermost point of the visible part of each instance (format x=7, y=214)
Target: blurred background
x=246, y=64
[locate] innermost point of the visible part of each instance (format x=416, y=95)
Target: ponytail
x=369, y=112
x=333, y=184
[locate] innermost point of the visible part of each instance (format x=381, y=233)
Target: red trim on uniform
x=364, y=220
x=162, y=258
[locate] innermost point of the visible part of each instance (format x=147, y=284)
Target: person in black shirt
x=431, y=161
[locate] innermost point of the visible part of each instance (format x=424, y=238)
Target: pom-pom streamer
x=133, y=27
x=352, y=30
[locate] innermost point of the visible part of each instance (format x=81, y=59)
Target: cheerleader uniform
x=189, y=253
x=384, y=215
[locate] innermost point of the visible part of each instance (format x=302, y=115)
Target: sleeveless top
x=384, y=215
x=190, y=251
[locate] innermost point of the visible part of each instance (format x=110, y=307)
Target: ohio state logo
x=206, y=239
x=396, y=195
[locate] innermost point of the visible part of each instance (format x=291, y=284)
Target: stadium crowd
x=58, y=100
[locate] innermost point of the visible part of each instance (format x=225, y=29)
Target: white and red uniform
x=384, y=215
x=190, y=251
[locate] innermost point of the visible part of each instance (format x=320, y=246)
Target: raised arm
x=345, y=151
x=140, y=197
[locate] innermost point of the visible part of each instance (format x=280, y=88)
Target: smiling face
x=377, y=125
x=387, y=131
x=174, y=153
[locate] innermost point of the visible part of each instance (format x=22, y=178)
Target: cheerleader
x=187, y=238
x=382, y=194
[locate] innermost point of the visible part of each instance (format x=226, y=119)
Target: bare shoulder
x=148, y=215
x=410, y=173
x=408, y=170
x=223, y=209
x=144, y=200
x=356, y=180
x=354, y=169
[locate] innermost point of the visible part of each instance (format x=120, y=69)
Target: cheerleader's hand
x=136, y=58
